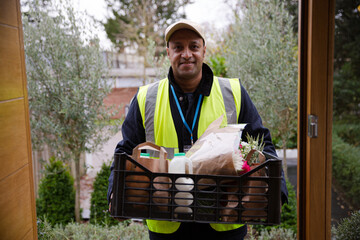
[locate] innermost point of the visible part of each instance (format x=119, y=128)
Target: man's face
x=186, y=52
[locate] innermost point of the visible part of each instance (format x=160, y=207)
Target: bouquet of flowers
x=246, y=154
x=220, y=151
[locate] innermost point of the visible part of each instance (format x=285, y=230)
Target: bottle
x=180, y=164
x=145, y=155
x=183, y=165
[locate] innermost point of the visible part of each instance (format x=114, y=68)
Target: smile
x=187, y=63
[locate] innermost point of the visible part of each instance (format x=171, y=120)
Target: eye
x=195, y=47
x=177, y=47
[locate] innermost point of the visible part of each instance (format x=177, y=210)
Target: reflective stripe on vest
x=224, y=99
x=154, y=105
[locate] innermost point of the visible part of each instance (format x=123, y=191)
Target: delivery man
x=175, y=112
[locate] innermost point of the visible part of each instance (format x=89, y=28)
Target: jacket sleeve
x=133, y=133
x=254, y=127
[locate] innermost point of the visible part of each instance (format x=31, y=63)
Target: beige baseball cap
x=183, y=24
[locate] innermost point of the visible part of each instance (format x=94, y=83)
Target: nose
x=186, y=53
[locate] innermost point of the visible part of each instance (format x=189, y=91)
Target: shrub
x=292, y=143
x=99, y=210
x=346, y=168
x=56, y=194
x=349, y=133
x=349, y=228
x=289, y=210
x=44, y=229
x=78, y=231
x=277, y=234
x=273, y=234
x=217, y=64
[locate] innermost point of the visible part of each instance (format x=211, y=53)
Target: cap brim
x=182, y=25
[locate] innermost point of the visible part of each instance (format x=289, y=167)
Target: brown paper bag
x=212, y=152
x=159, y=165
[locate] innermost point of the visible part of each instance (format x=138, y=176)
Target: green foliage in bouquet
x=99, y=210
x=56, y=194
x=252, y=143
x=349, y=228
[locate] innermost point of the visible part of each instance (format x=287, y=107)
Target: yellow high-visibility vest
x=154, y=104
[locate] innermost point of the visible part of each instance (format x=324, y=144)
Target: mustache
x=187, y=61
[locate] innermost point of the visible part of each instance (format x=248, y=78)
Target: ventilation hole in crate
x=229, y=200
x=206, y=200
x=137, y=181
x=161, y=199
x=206, y=184
x=184, y=198
x=229, y=186
x=162, y=183
x=254, y=201
x=138, y=198
x=184, y=184
x=255, y=186
x=255, y=197
x=183, y=210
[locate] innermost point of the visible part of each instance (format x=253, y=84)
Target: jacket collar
x=205, y=85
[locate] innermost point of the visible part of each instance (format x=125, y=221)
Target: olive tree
x=263, y=52
x=161, y=63
x=67, y=84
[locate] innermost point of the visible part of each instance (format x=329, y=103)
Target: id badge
x=187, y=148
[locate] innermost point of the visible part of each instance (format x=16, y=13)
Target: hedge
x=99, y=213
x=349, y=228
x=346, y=168
x=349, y=133
x=77, y=231
x=56, y=199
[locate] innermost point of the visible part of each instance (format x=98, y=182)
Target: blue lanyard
x=182, y=115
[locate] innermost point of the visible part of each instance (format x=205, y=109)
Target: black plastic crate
x=203, y=198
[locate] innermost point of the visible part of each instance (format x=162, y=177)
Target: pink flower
x=246, y=167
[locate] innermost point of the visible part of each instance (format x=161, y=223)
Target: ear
x=204, y=51
x=167, y=50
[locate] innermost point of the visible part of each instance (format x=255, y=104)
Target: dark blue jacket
x=134, y=133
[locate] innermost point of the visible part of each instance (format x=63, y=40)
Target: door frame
x=316, y=47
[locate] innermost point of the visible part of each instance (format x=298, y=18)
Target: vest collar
x=205, y=85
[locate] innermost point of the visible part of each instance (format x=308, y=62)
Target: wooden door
x=17, y=201
x=316, y=37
